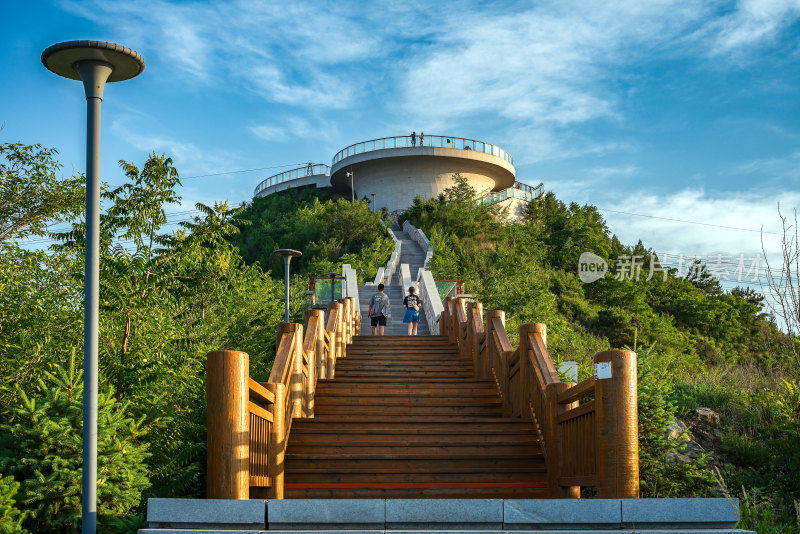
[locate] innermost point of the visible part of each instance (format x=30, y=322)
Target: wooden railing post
x=525, y=372
x=448, y=319
x=334, y=309
x=319, y=348
x=356, y=330
x=617, y=427
x=556, y=455
x=494, y=355
x=461, y=304
x=340, y=330
x=477, y=328
x=541, y=329
x=228, y=425
x=277, y=440
x=296, y=385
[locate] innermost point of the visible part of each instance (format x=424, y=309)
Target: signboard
x=602, y=370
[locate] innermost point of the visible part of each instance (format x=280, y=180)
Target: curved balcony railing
x=405, y=141
x=286, y=176
x=520, y=191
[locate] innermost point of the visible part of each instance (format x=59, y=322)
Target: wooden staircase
x=405, y=417
x=464, y=415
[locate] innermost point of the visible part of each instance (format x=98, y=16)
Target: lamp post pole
x=352, y=188
x=373, y=202
x=94, y=63
x=287, y=254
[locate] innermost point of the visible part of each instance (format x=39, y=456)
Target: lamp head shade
x=62, y=58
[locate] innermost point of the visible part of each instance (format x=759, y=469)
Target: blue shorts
x=411, y=316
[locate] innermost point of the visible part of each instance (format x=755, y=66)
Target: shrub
x=10, y=517
x=41, y=446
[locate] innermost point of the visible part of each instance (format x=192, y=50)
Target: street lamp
x=373, y=202
x=94, y=63
x=287, y=254
x=352, y=189
x=375, y=252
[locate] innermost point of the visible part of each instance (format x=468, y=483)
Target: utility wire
x=685, y=221
x=243, y=170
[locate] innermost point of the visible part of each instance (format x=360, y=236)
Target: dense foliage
x=328, y=233
x=697, y=345
x=167, y=298
x=42, y=447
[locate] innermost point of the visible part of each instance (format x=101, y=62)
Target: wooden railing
x=588, y=431
x=249, y=422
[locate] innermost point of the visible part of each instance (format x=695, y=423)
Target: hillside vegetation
x=697, y=344
x=168, y=296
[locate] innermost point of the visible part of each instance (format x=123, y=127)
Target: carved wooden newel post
x=227, y=397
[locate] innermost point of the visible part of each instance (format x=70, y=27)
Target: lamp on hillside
x=287, y=254
x=334, y=277
x=94, y=63
x=352, y=189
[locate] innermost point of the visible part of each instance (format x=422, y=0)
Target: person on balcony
x=421, y=138
x=414, y=138
x=412, y=304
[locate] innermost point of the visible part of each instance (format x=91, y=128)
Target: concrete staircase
x=404, y=417
x=412, y=254
x=394, y=325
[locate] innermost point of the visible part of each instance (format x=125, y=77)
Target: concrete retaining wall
x=350, y=282
x=431, y=302
x=391, y=266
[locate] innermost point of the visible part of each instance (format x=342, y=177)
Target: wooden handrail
x=585, y=441
x=249, y=422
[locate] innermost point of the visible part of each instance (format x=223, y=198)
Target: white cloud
x=775, y=170
x=556, y=65
x=281, y=51
x=753, y=22
x=729, y=223
x=187, y=156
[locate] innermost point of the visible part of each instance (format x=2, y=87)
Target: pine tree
x=41, y=446
x=10, y=516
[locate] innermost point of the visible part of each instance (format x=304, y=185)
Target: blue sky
x=674, y=109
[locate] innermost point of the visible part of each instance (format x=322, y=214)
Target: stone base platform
x=417, y=516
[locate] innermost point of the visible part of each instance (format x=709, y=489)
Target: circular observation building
x=312, y=175
x=396, y=169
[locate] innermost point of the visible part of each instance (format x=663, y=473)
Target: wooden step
x=377, y=402
x=410, y=463
x=478, y=411
x=404, y=391
x=405, y=417
x=418, y=491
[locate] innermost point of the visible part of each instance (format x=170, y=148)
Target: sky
x=679, y=120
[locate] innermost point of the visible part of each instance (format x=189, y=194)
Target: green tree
x=31, y=192
x=41, y=447
x=10, y=516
